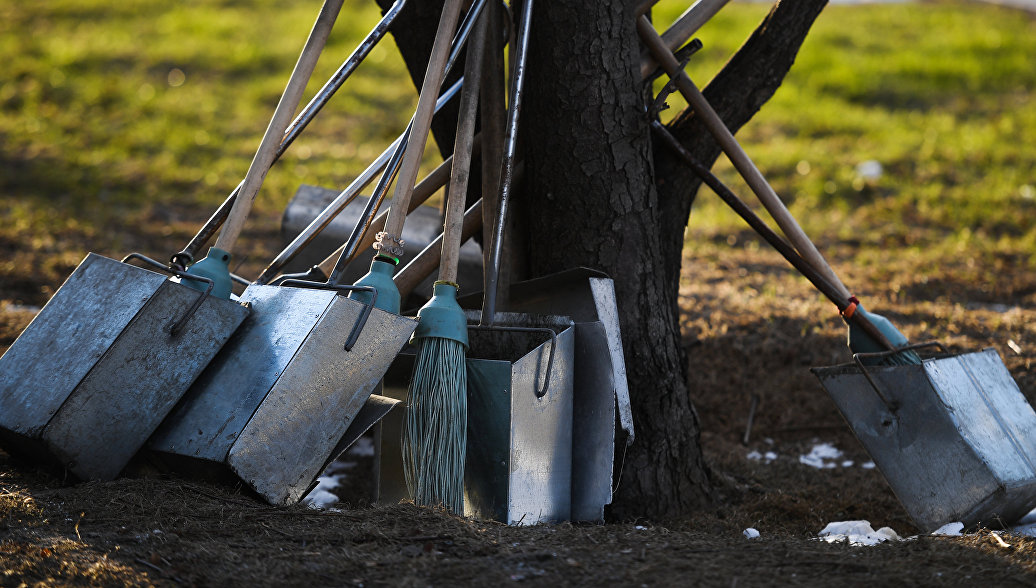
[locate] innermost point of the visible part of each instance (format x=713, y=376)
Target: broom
x=435, y=431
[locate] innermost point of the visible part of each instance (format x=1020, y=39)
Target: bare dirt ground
x=751, y=328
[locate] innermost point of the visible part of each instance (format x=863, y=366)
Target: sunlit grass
x=123, y=125
x=941, y=94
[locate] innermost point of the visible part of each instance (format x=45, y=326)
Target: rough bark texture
x=740, y=89
x=597, y=193
x=588, y=181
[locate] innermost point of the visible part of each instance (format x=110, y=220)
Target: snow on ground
x=857, y=533
x=321, y=496
x=822, y=456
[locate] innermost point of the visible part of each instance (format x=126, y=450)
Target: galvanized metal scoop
x=954, y=436
x=104, y=361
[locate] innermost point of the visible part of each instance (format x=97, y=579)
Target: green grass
x=940, y=93
x=122, y=125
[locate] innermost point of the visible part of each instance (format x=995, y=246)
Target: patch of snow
x=321, y=497
x=949, y=530
x=869, y=465
x=856, y=533
x=822, y=456
x=11, y=307
x=767, y=457
x=1026, y=525
x=750, y=533
x=364, y=447
x=847, y=463
x=640, y=528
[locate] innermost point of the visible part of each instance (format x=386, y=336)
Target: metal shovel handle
x=507, y=176
x=177, y=326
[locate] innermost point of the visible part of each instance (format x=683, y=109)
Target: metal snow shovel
x=274, y=406
x=587, y=297
x=117, y=346
x=953, y=435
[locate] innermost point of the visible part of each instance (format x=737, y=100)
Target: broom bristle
x=435, y=432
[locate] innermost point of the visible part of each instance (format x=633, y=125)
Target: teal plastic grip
x=380, y=278
x=442, y=316
x=216, y=267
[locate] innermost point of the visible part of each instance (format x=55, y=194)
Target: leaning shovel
x=117, y=346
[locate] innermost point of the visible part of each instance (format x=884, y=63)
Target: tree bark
x=597, y=193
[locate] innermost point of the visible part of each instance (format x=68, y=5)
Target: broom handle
x=289, y=101
x=737, y=156
x=783, y=247
x=422, y=192
x=422, y=265
x=677, y=34
x=421, y=125
x=458, y=190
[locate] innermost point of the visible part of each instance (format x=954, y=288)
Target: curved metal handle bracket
x=541, y=391
x=176, y=327
x=858, y=357
x=361, y=321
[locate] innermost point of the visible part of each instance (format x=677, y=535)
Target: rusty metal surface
x=293, y=432
x=955, y=440
x=69, y=335
x=216, y=408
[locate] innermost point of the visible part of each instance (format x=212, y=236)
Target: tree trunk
x=597, y=193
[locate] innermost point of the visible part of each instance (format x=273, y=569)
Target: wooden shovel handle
x=282, y=116
x=769, y=235
x=686, y=25
x=422, y=117
x=458, y=190
x=425, y=262
x=737, y=155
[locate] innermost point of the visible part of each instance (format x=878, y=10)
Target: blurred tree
x=598, y=192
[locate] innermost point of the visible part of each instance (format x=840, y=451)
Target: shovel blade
x=956, y=440
x=99, y=369
x=293, y=433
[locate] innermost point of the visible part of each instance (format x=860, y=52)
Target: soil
x=752, y=331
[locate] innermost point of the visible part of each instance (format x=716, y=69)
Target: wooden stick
x=458, y=190
x=494, y=113
x=425, y=262
x=424, y=190
x=680, y=31
x=282, y=115
x=422, y=119
x=769, y=235
x=737, y=156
